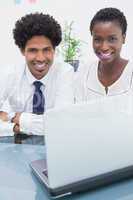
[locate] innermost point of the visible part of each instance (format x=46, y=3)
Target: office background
x=79, y=11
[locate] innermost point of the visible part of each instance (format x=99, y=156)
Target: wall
x=81, y=11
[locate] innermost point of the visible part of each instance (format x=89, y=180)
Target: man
x=42, y=82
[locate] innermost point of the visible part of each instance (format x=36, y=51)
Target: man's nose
x=40, y=56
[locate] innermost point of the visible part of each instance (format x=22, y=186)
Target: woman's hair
x=37, y=24
x=109, y=15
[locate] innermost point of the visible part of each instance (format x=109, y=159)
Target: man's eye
x=47, y=50
x=32, y=50
x=112, y=39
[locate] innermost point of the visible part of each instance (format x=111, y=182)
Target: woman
x=111, y=75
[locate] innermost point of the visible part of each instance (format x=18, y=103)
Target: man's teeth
x=40, y=65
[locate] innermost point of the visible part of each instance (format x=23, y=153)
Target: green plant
x=70, y=45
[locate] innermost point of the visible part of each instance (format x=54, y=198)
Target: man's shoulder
x=7, y=73
x=11, y=74
x=6, y=69
x=13, y=68
x=62, y=66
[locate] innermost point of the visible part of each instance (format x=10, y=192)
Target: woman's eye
x=97, y=40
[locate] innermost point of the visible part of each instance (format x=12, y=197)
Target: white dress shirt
x=89, y=87
x=6, y=82
x=6, y=88
x=57, y=89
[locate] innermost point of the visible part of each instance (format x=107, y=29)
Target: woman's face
x=107, y=41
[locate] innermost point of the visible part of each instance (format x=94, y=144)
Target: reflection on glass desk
x=23, y=139
x=17, y=182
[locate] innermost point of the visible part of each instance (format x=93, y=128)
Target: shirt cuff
x=31, y=123
x=6, y=128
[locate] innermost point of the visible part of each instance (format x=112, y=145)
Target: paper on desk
x=6, y=128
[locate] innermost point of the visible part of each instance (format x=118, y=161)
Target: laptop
x=87, y=146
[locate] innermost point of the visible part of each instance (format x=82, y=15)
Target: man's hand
x=16, y=129
x=16, y=118
x=3, y=116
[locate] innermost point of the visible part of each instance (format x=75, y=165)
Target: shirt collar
x=31, y=78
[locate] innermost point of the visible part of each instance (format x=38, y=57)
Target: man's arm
x=6, y=127
x=34, y=124
x=29, y=123
x=65, y=89
x=7, y=85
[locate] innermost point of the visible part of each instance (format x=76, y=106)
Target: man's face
x=39, y=55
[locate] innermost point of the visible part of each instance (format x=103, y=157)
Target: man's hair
x=37, y=24
x=109, y=15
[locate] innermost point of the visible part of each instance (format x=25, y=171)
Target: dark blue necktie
x=38, y=99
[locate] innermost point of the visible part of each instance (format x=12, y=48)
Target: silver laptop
x=87, y=146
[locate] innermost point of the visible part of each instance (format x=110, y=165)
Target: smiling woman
x=110, y=74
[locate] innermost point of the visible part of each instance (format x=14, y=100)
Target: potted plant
x=70, y=46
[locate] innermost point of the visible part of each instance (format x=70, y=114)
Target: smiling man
x=42, y=82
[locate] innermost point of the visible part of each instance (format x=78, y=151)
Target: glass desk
x=18, y=183
x=23, y=139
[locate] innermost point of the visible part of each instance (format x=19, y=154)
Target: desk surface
x=18, y=183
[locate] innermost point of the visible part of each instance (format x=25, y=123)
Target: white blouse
x=89, y=87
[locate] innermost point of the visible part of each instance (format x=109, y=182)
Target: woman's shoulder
x=86, y=66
